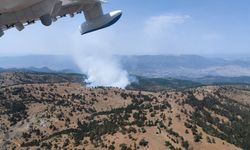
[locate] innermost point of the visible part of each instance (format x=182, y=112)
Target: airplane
x=21, y=13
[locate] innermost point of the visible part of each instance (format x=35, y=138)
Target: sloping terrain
x=160, y=84
x=69, y=115
x=9, y=78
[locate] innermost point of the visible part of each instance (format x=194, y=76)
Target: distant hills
x=190, y=66
x=185, y=67
x=32, y=62
x=39, y=70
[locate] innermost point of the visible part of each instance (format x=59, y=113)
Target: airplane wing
x=48, y=11
x=91, y=9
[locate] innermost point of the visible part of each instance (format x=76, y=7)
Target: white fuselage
x=15, y=5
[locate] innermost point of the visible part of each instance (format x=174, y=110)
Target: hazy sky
x=205, y=27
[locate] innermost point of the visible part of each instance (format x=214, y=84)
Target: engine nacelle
x=19, y=26
x=101, y=22
x=46, y=20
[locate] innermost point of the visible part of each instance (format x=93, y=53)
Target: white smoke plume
x=93, y=55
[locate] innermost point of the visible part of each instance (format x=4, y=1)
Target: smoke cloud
x=93, y=55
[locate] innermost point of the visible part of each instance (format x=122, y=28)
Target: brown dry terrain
x=65, y=114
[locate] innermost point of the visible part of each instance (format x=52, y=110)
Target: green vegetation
x=16, y=110
x=236, y=132
x=159, y=84
x=217, y=115
x=143, y=142
x=116, y=121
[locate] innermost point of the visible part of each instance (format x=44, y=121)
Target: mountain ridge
x=152, y=66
